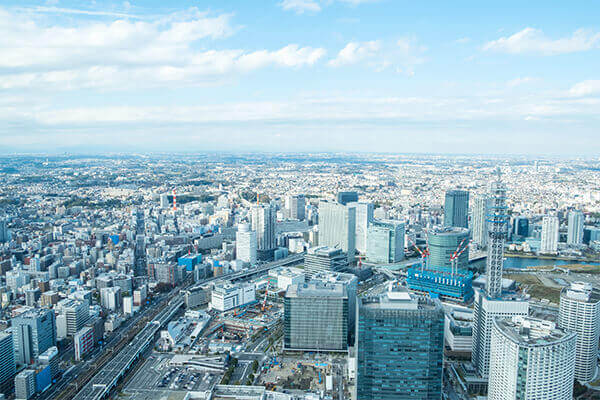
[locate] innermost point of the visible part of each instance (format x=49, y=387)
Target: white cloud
x=521, y=81
x=300, y=6
x=585, y=88
x=122, y=53
x=354, y=52
x=533, y=41
x=400, y=56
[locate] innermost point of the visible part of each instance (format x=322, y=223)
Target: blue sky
x=300, y=75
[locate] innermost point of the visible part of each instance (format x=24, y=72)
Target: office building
x=32, y=296
x=263, y=223
x=550, y=233
x=579, y=312
x=245, y=244
x=479, y=225
x=347, y=197
x=83, y=342
x=531, y=359
x=575, y=222
x=399, y=347
x=324, y=258
x=337, y=227
x=4, y=232
x=444, y=283
x=443, y=243
x=110, y=298
x=364, y=217
x=7, y=362
x=34, y=331
x=189, y=261
x=385, y=242
x=50, y=358
x=456, y=209
x=316, y=317
x=164, y=200
x=350, y=282
x=520, y=228
x=458, y=332
x=25, y=384
x=282, y=277
x=228, y=296
x=76, y=314
x=295, y=206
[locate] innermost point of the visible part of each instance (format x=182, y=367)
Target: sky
x=395, y=76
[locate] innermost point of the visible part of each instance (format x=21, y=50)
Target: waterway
x=522, y=262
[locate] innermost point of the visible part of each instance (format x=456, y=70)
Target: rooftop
x=531, y=332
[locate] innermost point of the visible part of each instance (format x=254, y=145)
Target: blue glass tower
x=400, y=342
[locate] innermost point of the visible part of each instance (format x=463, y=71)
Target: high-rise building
x=550, y=233
x=489, y=302
x=164, y=200
x=575, y=227
x=579, y=312
x=34, y=331
x=25, y=384
x=443, y=243
x=350, y=282
x=399, y=347
x=364, y=217
x=347, y=197
x=385, y=242
x=76, y=312
x=295, y=206
x=4, y=232
x=456, y=208
x=7, y=362
x=245, y=244
x=316, y=317
x=263, y=223
x=479, y=225
x=324, y=258
x=531, y=359
x=520, y=227
x=337, y=227
x=486, y=309
x=83, y=342
x=110, y=298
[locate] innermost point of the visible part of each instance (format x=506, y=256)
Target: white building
x=550, y=234
x=110, y=298
x=575, y=227
x=282, y=277
x=364, y=217
x=579, y=312
x=73, y=314
x=229, y=296
x=458, y=331
x=479, y=225
x=263, y=223
x=295, y=206
x=531, y=360
x=245, y=244
x=485, y=310
x=128, y=305
x=337, y=227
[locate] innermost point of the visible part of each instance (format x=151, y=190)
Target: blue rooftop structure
x=190, y=261
x=441, y=282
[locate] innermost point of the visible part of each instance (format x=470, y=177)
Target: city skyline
x=291, y=75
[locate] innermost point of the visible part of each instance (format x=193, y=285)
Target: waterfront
x=524, y=262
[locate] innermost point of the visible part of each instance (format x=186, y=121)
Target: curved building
x=579, y=312
x=531, y=359
x=443, y=242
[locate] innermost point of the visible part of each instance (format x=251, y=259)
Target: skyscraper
x=399, y=347
x=443, y=243
x=479, y=225
x=456, y=208
x=295, y=205
x=575, y=227
x=316, y=317
x=579, y=312
x=497, y=219
x=7, y=362
x=337, y=227
x=549, y=244
x=531, y=359
x=364, y=217
x=263, y=223
x=34, y=331
x=245, y=244
x=489, y=302
x=347, y=197
x=385, y=242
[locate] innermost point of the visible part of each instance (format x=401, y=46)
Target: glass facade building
x=385, y=242
x=316, y=317
x=442, y=245
x=34, y=332
x=456, y=208
x=400, y=342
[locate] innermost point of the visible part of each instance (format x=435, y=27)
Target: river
x=523, y=262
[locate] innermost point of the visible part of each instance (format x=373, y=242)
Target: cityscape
x=299, y=200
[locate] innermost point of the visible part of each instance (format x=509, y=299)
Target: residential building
x=550, y=234
x=25, y=384
x=575, y=223
x=83, y=342
x=246, y=244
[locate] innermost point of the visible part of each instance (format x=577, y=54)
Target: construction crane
x=423, y=254
x=174, y=201
x=457, y=253
x=264, y=304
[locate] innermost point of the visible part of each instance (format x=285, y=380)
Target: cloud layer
x=534, y=41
